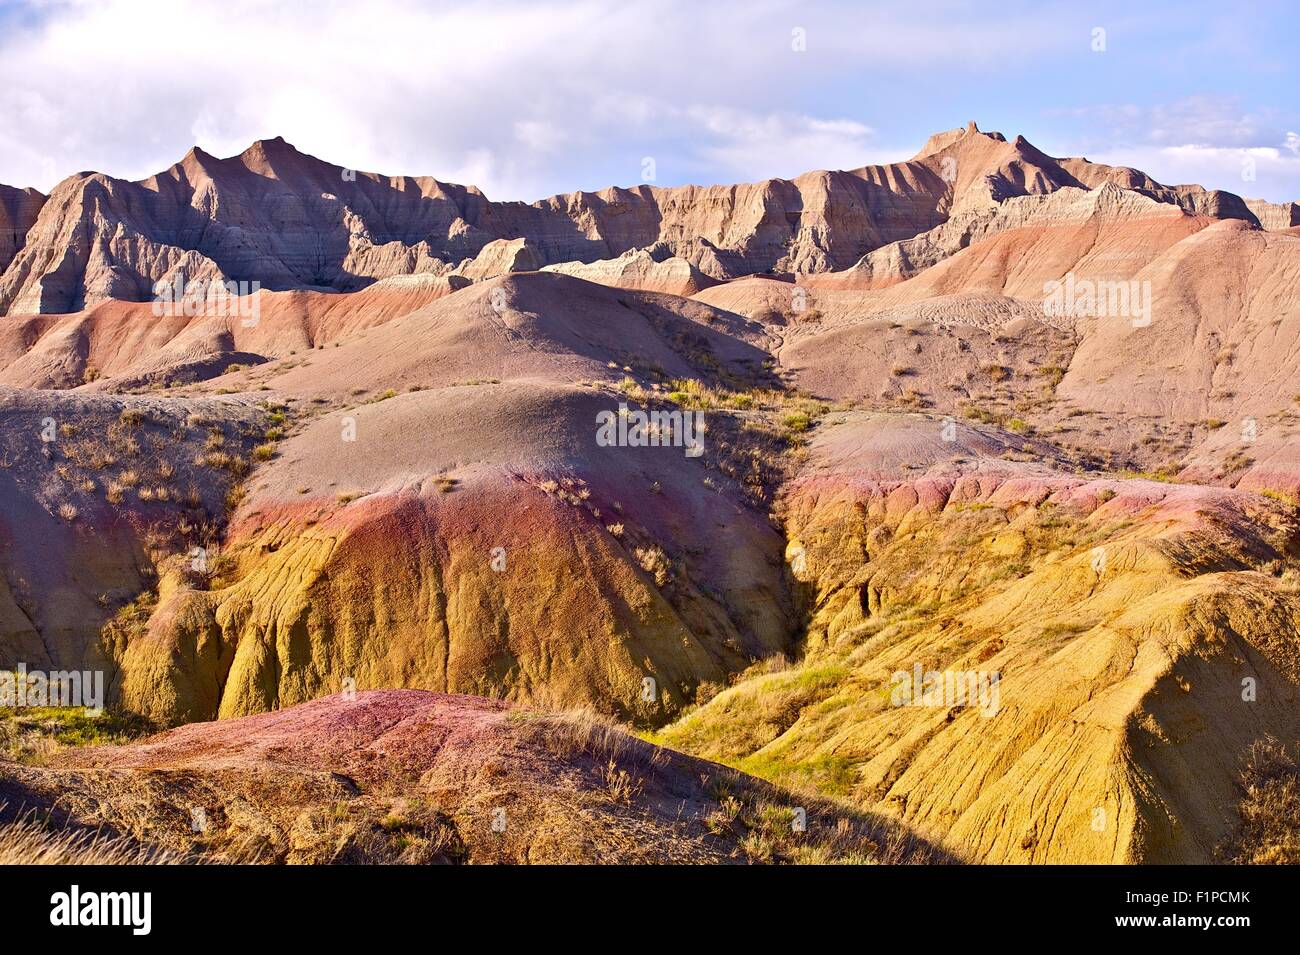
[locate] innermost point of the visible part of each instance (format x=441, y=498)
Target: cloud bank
x=526, y=100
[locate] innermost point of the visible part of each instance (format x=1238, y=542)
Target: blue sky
x=526, y=100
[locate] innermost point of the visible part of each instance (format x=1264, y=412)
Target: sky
x=526, y=100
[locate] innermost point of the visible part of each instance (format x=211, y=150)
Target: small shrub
x=654, y=561
x=797, y=421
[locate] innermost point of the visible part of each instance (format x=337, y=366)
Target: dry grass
x=771, y=829
x=570, y=734
x=1270, y=807
x=771, y=837
x=770, y=826
x=620, y=785
x=655, y=562
x=26, y=842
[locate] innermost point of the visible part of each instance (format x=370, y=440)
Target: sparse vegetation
x=31, y=734
x=796, y=421
x=27, y=842
x=1269, y=807
x=655, y=562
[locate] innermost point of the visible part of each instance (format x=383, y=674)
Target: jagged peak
x=938, y=142
x=196, y=161
x=269, y=147
x=274, y=155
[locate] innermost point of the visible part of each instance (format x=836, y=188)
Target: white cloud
x=542, y=137
x=760, y=145
x=1208, y=140
x=524, y=99
x=538, y=97
x=514, y=92
x=1203, y=119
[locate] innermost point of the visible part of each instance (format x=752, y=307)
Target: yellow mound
x=1141, y=635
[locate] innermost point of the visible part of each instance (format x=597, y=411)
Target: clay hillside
x=381, y=544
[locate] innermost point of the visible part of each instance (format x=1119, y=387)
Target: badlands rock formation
x=1275, y=215
x=1192, y=199
x=383, y=470
x=18, y=211
x=1107, y=206
x=643, y=269
x=500, y=257
x=1123, y=618
x=622, y=563
x=287, y=220
x=130, y=344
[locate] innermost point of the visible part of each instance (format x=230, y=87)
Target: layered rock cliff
x=290, y=221
x=19, y=209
